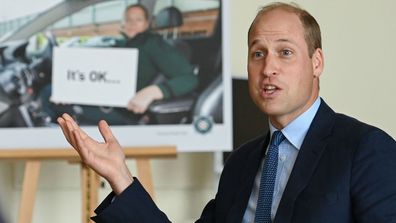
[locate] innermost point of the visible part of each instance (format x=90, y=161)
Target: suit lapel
x=306, y=162
x=246, y=182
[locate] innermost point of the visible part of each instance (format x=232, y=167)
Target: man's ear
x=317, y=62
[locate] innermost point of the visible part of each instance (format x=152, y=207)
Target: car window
x=102, y=19
x=37, y=45
x=98, y=25
x=199, y=16
x=90, y=26
x=13, y=16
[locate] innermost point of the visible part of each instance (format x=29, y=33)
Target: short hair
x=311, y=27
x=144, y=9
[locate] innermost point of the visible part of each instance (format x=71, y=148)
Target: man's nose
x=271, y=65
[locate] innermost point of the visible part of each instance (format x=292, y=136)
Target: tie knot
x=277, y=138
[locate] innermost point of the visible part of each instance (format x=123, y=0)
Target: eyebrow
x=278, y=40
x=285, y=40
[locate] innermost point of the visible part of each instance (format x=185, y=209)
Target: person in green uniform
x=156, y=56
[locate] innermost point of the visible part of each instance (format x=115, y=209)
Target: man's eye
x=258, y=54
x=286, y=53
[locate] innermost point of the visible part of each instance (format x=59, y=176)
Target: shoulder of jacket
x=247, y=148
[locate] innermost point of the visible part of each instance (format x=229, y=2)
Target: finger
x=132, y=106
x=105, y=131
x=72, y=137
x=82, y=150
x=140, y=109
x=63, y=126
x=143, y=109
x=67, y=117
x=136, y=107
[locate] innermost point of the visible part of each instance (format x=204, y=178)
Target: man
x=334, y=168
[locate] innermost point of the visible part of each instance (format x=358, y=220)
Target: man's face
x=134, y=22
x=283, y=79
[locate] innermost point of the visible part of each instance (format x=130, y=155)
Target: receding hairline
x=311, y=28
x=264, y=10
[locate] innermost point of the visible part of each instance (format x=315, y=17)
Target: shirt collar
x=296, y=130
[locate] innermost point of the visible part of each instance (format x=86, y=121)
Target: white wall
x=358, y=43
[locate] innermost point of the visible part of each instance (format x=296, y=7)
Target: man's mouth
x=270, y=89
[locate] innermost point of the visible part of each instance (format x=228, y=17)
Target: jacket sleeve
x=208, y=215
x=174, y=66
x=135, y=205
x=132, y=205
x=373, y=183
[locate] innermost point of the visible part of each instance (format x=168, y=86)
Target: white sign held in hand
x=94, y=76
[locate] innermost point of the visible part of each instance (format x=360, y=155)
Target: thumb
x=105, y=131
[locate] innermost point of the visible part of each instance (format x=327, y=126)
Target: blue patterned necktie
x=267, y=183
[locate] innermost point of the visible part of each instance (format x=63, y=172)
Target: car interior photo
x=194, y=29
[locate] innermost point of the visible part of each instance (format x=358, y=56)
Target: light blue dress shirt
x=295, y=133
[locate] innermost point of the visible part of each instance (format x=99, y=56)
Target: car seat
x=206, y=101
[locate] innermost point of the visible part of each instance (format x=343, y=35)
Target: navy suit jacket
x=345, y=172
